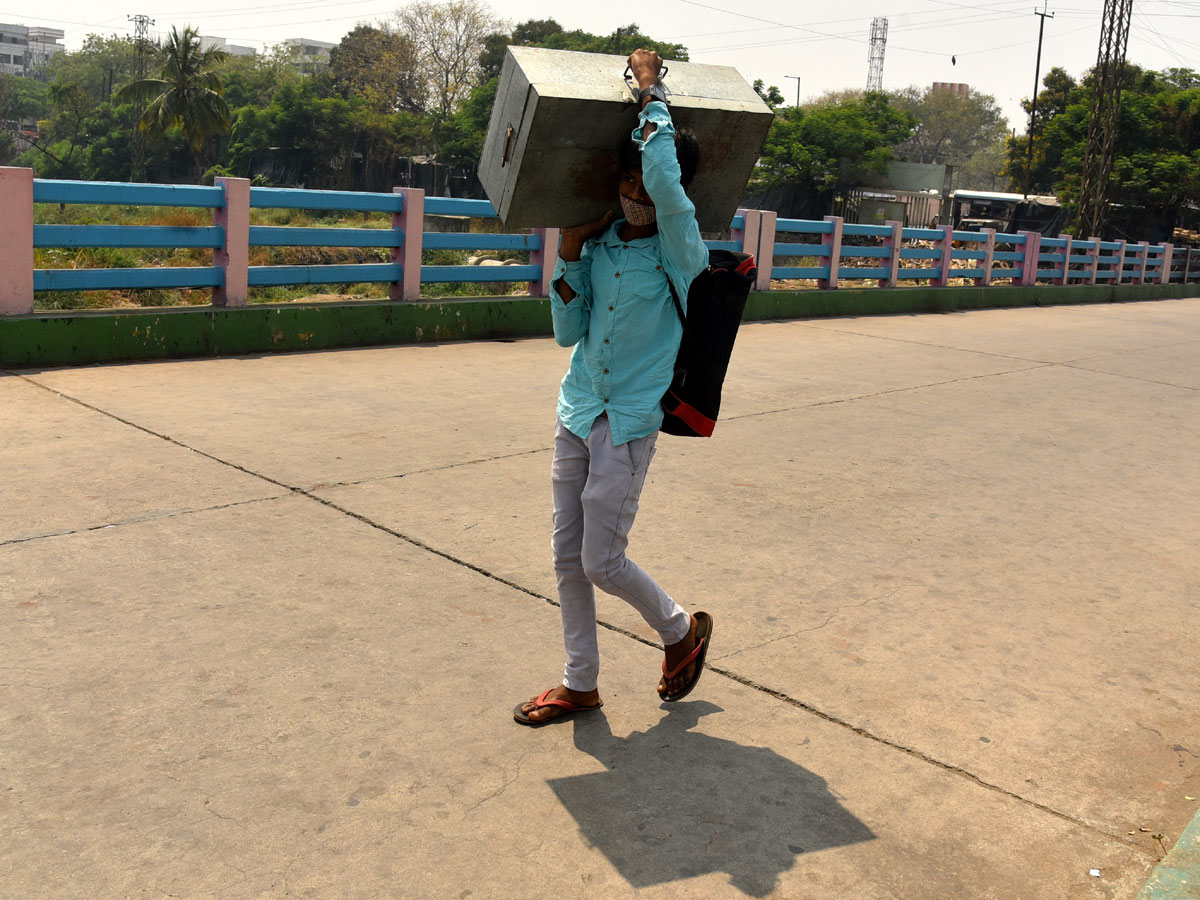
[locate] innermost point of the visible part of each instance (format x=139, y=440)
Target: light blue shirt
x=622, y=321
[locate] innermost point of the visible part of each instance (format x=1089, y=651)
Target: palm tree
x=187, y=92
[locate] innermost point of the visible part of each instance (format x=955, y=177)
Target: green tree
x=950, y=129
x=380, y=65
x=1156, y=155
x=253, y=80
x=832, y=147
x=770, y=95
x=186, y=93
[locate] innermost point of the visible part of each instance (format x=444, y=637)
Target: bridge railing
x=826, y=253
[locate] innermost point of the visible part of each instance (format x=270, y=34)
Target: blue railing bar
x=476, y=274
x=294, y=236
x=738, y=222
x=968, y=254
x=735, y=246
x=439, y=240
x=865, y=252
x=802, y=226
x=104, y=279
x=922, y=234
x=1053, y=242
x=966, y=273
x=274, y=276
x=920, y=253
x=801, y=250
x=1048, y=273
x=120, y=194
x=1008, y=256
x=998, y=272
x=799, y=272
x=863, y=272
x=1016, y=239
x=353, y=201
x=918, y=273
x=1110, y=245
x=1051, y=257
x=1083, y=245
x=453, y=206
x=127, y=236
x=1080, y=259
x=971, y=237
x=855, y=230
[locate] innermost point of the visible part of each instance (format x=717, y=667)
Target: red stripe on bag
x=747, y=266
x=693, y=418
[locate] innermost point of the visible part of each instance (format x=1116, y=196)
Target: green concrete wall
x=79, y=338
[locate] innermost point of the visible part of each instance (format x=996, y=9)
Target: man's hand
x=573, y=239
x=571, y=248
x=646, y=65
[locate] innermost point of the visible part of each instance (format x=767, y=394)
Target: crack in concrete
x=133, y=520
x=828, y=619
x=726, y=673
x=901, y=390
x=1182, y=387
x=458, y=465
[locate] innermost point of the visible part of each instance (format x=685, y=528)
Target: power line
x=1037, y=77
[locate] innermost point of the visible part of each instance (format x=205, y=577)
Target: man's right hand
x=573, y=239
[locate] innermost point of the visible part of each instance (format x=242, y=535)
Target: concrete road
x=263, y=622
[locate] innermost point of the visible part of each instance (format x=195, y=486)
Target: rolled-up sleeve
x=683, y=248
x=571, y=319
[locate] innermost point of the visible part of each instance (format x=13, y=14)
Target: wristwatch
x=654, y=92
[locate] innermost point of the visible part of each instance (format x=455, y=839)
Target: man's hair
x=687, y=151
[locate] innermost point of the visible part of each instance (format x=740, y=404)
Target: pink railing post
x=989, y=258
x=1143, y=261
x=765, y=257
x=1094, y=262
x=16, y=241
x=946, y=244
x=1164, y=274
x=545, y=256
x=892, y=243
x=1064, y=274
x=833, y=241
x=410, y=222
x=1119, y=263
x=1029, y=262
x=748, y=234
x=233, y=256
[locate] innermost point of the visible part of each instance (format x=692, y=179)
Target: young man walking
x=611, y=300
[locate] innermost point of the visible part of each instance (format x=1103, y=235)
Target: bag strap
x=678, y=306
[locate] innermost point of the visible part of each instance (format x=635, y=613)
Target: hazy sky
x=989, y=44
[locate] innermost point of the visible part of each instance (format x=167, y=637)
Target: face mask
x=638, y=213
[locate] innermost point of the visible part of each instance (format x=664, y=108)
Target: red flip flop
x=544, y=700
x=704, y=627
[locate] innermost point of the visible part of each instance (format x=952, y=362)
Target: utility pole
x=1102, y=121
x=797, y=77
x=1037, y=76
x=879, y=29
x=141, y=39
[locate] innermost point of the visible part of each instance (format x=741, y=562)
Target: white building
x=220, y=43
x=23, y=49
x=310, y=49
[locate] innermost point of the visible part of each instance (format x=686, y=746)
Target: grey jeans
x=596, y=491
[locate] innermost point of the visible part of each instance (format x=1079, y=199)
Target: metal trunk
x=550, y=158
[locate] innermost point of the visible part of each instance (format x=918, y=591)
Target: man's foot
x=555, y=703
x=678, y=679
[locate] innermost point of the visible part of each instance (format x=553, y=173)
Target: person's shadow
x=675, y=804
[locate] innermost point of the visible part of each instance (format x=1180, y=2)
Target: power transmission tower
x=1106, y=104
x=1037, y=75
x=875, y=55
x=141, y=44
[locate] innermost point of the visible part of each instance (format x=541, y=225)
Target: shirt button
x=606, y=340
x=605, y=399
x=616, y=274
x=606, y=371
x=610, y=309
